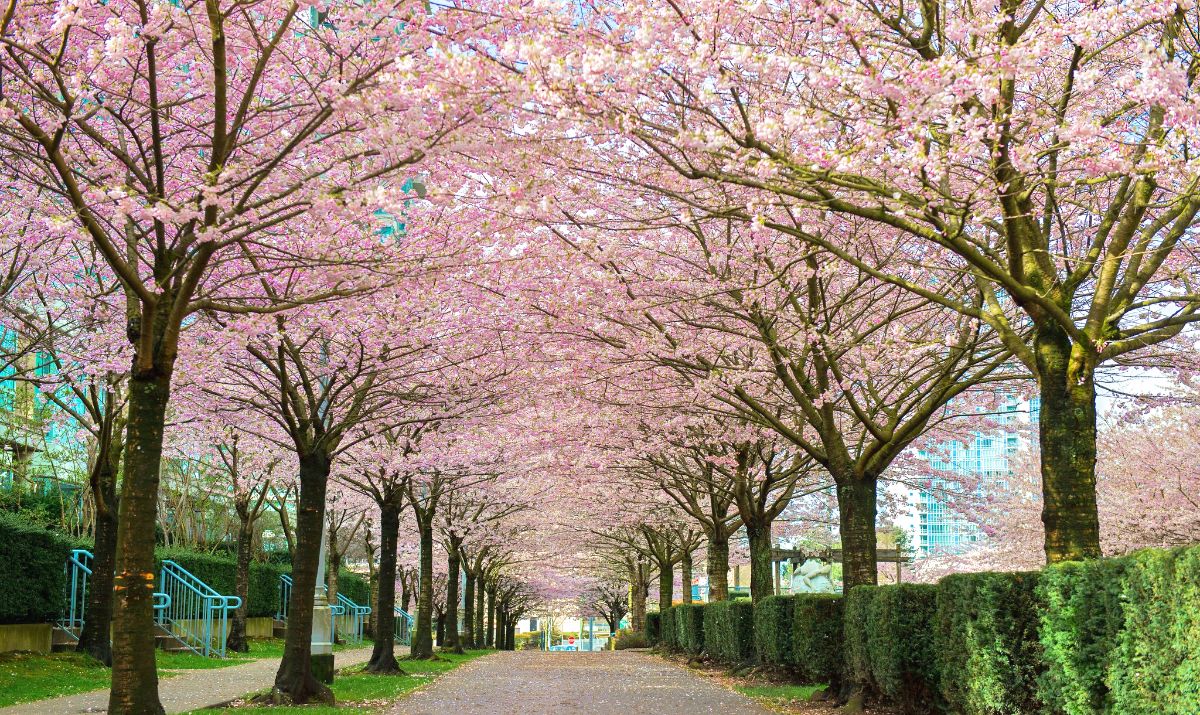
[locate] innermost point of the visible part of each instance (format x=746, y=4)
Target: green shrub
x=32, y=571
x=987, y=643
x=773, y=629
x=354, y=587
x=857, y=661
x=667, y=630
x=900, y=644
x=689, y=627
x=1156, y=664
x=1080, y=623
x=729, y=631
x=629, y=639
x=653, y=628
x=816, y=648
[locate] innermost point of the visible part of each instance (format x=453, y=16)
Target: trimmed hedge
x=1079, y=627
x=1155, y=668
x=887, y=634
x=689, y=627
x=816, y=647
x=987, y=643
x=653, y=628
x=32, y=571
x=774, y=629
x=729, y=631
x=667, y=632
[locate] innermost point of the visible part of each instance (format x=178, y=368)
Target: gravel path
x=188, y=689
x=607, y=683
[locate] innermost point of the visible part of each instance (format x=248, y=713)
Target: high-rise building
x=934, y=525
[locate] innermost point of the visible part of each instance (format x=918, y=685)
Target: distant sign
x=571, y=640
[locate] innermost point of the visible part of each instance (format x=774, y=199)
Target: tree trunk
x=96, y=637
x=236, y=641
x=637, y=605
x=685, y=574
x=510, y=635
x=856, y=506
x=761, y=582
x=491, y=618
x=383, y=655
x=468, y=634
x=294, y=677
x=1067, y=430
x=135, y=676
x=452, y=642
x=441, y=629
x=422, y=643
x=718, y=567
x=479, y=609
x=666, y=586
x=501, y=625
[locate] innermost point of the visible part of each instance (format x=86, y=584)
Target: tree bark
x=857, y=508
x=666, y=586
x=236, y=641
x=637, y=605
x=685, y=574
x=422, y=637
x=95, y=638
x=383, y=655
x=718, y=567
x=510, y=635
x=1067, y=429
x=452, y=643
x=468, y=634
x=441, y=629
x=491, y=618
x=501, y=626
x=135, y=675
x=761, y=582
x=294, y=677
x=479, y=609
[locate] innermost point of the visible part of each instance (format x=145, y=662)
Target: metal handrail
x=195, y=613
x=404, y=629
x=358, y=615
x=79, y=574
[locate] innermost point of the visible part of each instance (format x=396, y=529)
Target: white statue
x=813, y=577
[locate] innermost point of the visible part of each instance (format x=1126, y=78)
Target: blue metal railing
x=79, y=574
x=358, y=617
x=404, y=626
x=343, y=607
x=195, y=614
x=285, y=597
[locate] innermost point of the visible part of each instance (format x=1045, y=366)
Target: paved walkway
x=188, y=690
x=607, y=683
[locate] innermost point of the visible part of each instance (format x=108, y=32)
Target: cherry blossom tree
x=185, y=142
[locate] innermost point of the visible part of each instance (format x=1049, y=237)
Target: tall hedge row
x=32, y=571
x=668, y=635
x=689, y=627
x=653, y=629
x=773, y=629
x=1106, y=637
x=817, y=629
x=729, y=631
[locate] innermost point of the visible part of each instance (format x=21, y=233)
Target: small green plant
x=630, y=639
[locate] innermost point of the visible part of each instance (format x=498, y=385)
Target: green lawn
x=779, y=694
x=25, y=677
x=358, y=692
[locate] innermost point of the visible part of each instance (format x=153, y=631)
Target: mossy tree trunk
x=135, y=674
x=422, y=637
x=857, y=497
x=295, y=677
x=761, y=581
x=1067, y=430
x=95, y=638
x=383, y=654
